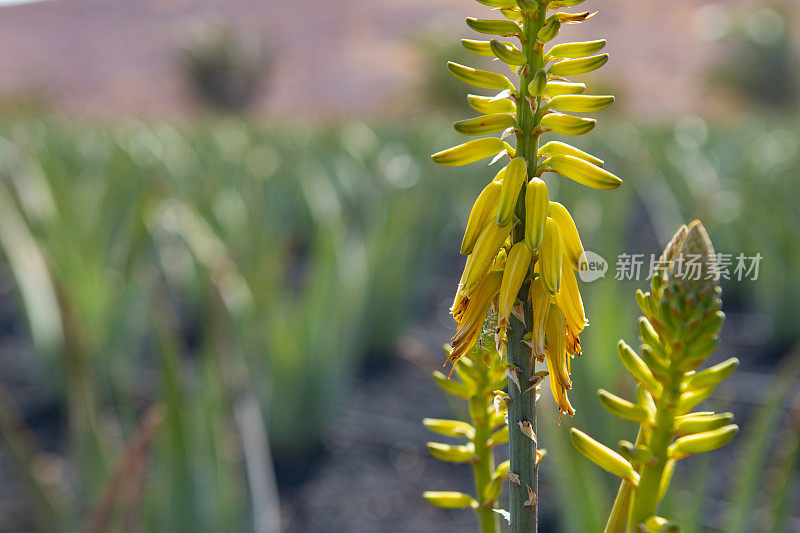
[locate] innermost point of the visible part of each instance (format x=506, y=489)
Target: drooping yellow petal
x=476, y=308
x=557, y=359
x=483, y=254
x=517, y=264
x=483, y=210
x=569, y=300
x=540, y=305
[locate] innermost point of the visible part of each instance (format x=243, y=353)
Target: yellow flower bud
x=568, y=124
x=479, y=48
x=455, y=388
x=558, y=148
x=537, y=203
x=494, y=27
x=621, y=407
x=449, y=428
x=701, y=422
x=638, y=369
x=485, y=124
x=490, y=104
x=550, y=257
x=573, y=50
x=706, y=441
x=569, y=233
x=452, y=453
x=503, y=4
x=479, y=78
x=517, y=265
x=538, y=84
x=558, y=87
x=471, y=151
x=483, y=253
x=580, y=103
x=658, y=523
x=483, y=211
x=507, y=53
x=573, y=18
x=713, y=375
x=516, y=173
x=556, y=334
x=549, y=31
x=603, y=456
x=569, y=301
x=583, y=172
x=572, y=67
x=540, y=307
x=449, y=499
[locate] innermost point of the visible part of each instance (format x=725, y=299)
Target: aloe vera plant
x=522, y=249
x=679, y=330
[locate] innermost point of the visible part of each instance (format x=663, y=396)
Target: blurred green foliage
x=230, y=262
x=763, y=61
x=206, y=266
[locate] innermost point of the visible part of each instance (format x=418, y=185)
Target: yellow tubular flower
x=576, y=168
x=517, y=264
x=540, y=305
x=477, y=307
x=562, y=400
x=516, y=174
x=573, y=346
x=537, y=202
x=483, y=210
x=483, y=254
x=569, y=233
x=557, y=359
x=569, y=301
x=550, y=257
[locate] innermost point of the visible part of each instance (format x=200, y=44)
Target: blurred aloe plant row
x=166, y=269
x=91, y=227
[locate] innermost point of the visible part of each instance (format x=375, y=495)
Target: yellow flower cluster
x=522, y=248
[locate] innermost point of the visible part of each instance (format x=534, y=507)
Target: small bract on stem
x=522, y=248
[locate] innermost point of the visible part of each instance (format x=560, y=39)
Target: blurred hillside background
x=226, y=258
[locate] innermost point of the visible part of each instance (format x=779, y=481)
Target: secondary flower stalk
x=679, y=330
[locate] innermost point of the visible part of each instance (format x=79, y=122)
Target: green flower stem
x=645, y=498
x=523, y=404
x=483, y=466
x=522, y=449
